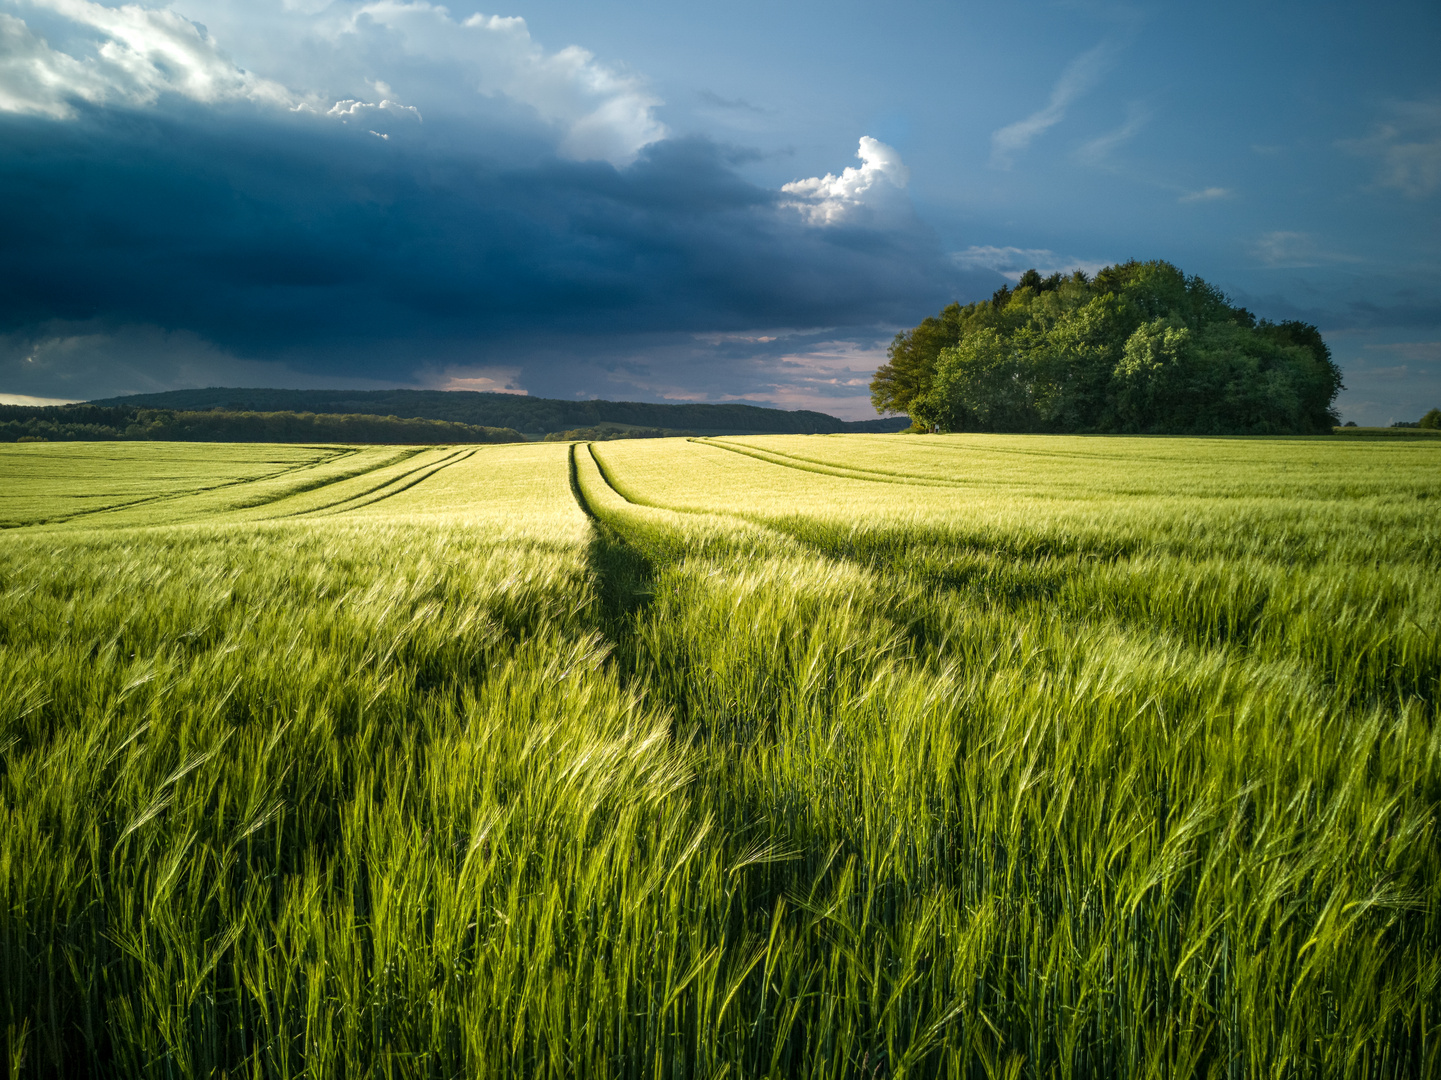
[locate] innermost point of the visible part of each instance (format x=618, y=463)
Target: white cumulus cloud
x=131, y=55
x=876, y=187
x=127, y=55
x=351, y=109
x=36, y=79
x=601, y=113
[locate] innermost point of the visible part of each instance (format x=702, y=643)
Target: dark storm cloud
x=283, y=235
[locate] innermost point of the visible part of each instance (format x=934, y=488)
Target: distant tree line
x=1430, y=422
x=533, y=415
x=604, y=432
x=99, y=422
x=1140, y=348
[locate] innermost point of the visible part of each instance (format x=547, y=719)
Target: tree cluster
x=1139, y=348
x=98, y=422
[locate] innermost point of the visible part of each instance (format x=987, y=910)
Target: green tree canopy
x=1141, y=348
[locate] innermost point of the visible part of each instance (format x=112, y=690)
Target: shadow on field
x=625, y=579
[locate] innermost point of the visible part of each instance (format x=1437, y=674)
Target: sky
x=672, y=202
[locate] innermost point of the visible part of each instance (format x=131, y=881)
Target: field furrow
x=48, y=485
x=815, y=465
x=385, y=484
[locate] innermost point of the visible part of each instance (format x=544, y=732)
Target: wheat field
x=791, y=756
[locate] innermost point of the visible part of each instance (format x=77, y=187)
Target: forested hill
x=534, y=416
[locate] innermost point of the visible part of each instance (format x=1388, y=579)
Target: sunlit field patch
x=829, y=756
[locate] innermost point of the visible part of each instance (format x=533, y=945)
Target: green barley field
x=795, y=756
